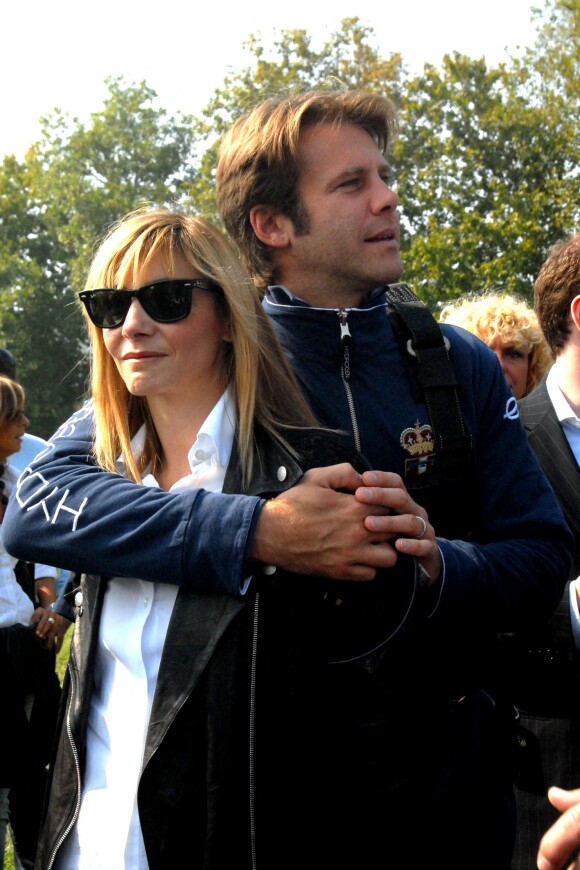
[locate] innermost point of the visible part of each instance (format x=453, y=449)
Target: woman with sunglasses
x=200, y=729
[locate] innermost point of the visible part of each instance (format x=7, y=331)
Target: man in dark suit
x=548, y=672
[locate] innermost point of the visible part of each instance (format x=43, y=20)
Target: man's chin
x=393, y=271
x=393, y=276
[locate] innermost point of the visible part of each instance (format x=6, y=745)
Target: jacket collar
x=280, y=295
x=275, y=469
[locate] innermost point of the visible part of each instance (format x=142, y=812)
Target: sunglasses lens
x=107, y=308
x=167, y=301
x=164, y=301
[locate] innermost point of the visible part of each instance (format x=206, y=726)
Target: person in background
x=510, y=328
x=31, y=445
x=49, y=581
x=304, y=187
x=540, y=661
x=7, y=364
x=28, y=685
x=547, y=669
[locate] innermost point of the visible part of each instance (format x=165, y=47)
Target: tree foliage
x=347, y=59
x=487, y=160
x=54, y=206
x=488, y=165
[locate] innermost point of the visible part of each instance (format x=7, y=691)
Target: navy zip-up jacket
x=515, y=568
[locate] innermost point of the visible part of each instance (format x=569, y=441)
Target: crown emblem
x=418, y=441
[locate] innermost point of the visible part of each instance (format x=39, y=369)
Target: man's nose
x=384, y=197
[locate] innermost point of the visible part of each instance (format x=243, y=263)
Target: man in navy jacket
x=304, y=188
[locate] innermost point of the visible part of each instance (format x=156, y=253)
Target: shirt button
x=145, y=602
x=78, y=599
x=282, y=473
x=269, y=569
x=199, y=453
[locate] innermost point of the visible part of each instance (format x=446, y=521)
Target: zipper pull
x=345, y=335
x=346, y=341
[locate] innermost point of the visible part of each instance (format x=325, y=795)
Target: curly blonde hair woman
x=510, y=328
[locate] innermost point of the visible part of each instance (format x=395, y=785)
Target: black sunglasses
x=163, y=301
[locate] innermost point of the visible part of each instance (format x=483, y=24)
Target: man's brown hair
x=557, y=284
x=259, y=160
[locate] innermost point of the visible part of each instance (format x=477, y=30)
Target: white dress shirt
x=15, y=605
x=132, y=633
x=567, y=418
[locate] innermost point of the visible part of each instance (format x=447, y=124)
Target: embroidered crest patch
x=418, y=441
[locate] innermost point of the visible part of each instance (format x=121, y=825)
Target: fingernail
x=364, y=492
x=372, y=477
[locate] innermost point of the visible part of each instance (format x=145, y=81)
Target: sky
x=58, y=54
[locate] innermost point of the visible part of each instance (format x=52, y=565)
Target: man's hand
x=563, y=838
x=314, y=529
x=402, y=520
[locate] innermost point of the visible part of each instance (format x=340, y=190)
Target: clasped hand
x=340, y=524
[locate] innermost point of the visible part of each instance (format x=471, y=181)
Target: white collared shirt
x=132, y=633
x=15, y=605
x=567, y=418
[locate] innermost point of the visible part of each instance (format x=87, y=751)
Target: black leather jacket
x=210, y=795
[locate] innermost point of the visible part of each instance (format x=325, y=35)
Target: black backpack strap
x=427, y=350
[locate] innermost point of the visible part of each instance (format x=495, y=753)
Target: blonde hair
x=264, y=387
x=11, y=400
x=259, y=160
x=498, y=315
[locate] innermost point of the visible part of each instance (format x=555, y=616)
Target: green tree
x=347, y=59
x=54, y=206
x=488, y=165
x=487, y=158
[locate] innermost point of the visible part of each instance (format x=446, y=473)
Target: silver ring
x=51, y=620
x=423, y=530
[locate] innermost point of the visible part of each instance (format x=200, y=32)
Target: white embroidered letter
x=76, y=513
x=512, y=412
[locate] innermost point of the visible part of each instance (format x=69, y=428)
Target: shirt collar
x=561, y=405
x=214, y=440
x=216, y=434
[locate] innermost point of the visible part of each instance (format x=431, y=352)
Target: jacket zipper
x=72, y=823
x=251, y=730
x=346, y=343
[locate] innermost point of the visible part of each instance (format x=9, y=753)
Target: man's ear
x=575, y=312
x=270, y=226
